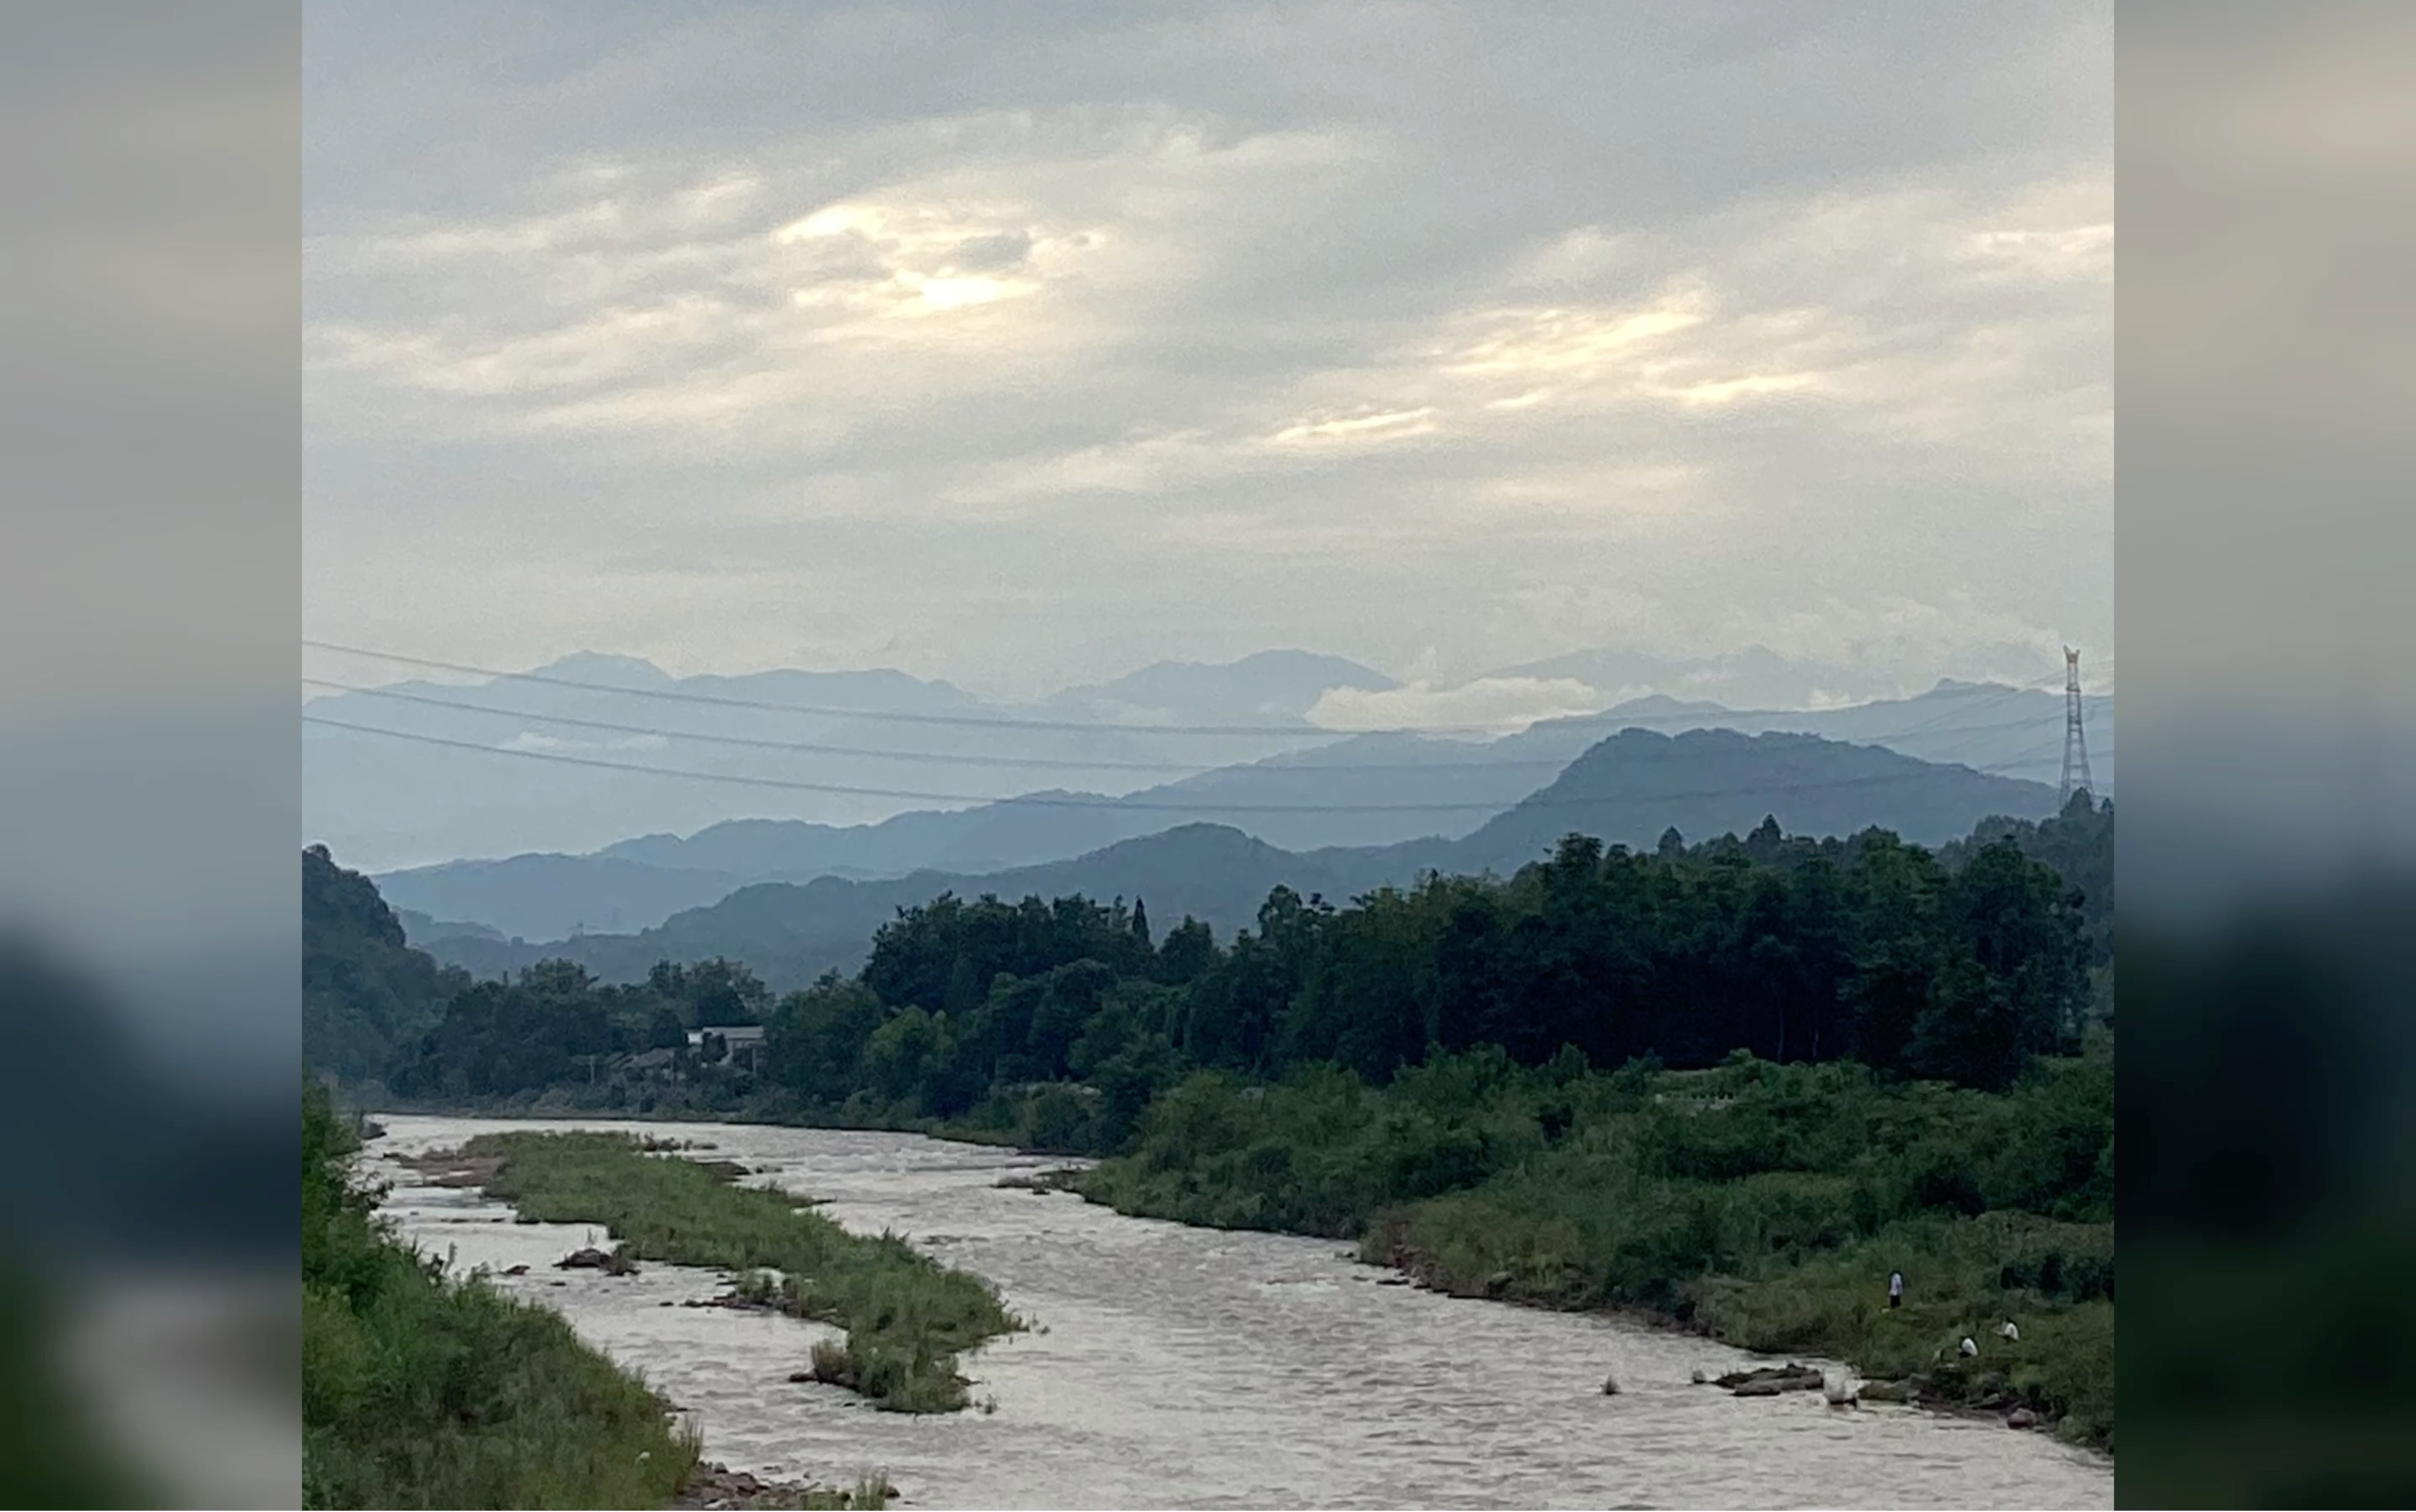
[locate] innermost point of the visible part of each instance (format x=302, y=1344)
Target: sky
x=1022, y=344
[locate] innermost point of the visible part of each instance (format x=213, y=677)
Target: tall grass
x=419, y=1391
x=907, y=1317
x=1764, y=1204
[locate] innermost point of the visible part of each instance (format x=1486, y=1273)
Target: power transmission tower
x=2076, y=744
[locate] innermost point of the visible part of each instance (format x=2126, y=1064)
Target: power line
x=817, y=749
x=1073, y=801
x=1032, y=763
x=1294, y=732
x=1298, y=732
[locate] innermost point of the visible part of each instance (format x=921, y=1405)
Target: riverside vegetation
x=1733, y=1083
x=423, y=1391
x=420, y=1390
x=1763, y=1204
x=906, y=1316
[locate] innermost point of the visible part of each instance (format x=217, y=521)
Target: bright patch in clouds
x=1054, y=352
x=1397, y=425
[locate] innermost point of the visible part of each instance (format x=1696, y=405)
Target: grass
x=1512, y=1244
x=1761, y=1205
x=444, y=1395
x=907, y=1317
x=422, y=1391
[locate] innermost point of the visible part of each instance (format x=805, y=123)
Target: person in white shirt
x=1895, y=1289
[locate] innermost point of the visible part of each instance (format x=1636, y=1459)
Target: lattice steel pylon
x=2076, y=742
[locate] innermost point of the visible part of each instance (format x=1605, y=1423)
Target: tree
x=1070, y=995
x=1766, y=840
x=664, y=1029
x=904, y=1052
x=725, y=992
x=1188, y=953
x=814, y=1044
x=1364, y=1005
x=964, y=993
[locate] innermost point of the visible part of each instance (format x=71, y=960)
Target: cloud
x=1228, y=328
x=1491, y=703
x=531, y=741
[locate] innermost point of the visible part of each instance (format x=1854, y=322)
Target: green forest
x=1734, y=1082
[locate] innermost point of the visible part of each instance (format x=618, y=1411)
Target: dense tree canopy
x=1957, y=966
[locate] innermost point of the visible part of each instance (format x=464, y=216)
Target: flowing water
x=1172, y=1367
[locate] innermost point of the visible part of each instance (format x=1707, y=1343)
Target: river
x=1172, y=1367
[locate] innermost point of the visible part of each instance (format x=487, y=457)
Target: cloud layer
x=1020, y=359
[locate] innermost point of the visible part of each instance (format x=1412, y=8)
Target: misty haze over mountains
x=386, y=804
x=1075, y=773
x=1627, y=789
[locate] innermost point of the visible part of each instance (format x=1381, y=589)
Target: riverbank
x=1184, y=1365
x=1759, y=1205
x=714, y=1488
x=423, y=1390
x=907, y=1317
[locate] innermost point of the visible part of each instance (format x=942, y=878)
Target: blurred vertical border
x=149, y=587
x=2266, y=416
x=149, y=563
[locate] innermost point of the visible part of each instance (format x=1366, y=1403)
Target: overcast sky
x=1022, y=344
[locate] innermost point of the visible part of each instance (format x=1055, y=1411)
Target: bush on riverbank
x=1764, y=1204
x=907, y=1317
x=423, y=1392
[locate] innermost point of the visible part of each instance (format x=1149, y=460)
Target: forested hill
x=364, y=991
x=1631, y=788
x=792, y=933
x=1792, y=948
x=1628, y=789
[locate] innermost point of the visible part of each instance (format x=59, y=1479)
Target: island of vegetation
x=906, y=1315
x=424, y=1390
x=1734, y=1085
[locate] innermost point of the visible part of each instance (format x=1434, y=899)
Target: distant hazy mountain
x=2008, y=732
x=418, y=925
x=1270, y=687
x=547, y=896
x=462, y=790
x=791, y=933
x=386, y=802
x=639, y=883
x=1626, y=789
x=1364, y=791
x=1040, y=826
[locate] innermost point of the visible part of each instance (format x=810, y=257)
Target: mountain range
x=402, y=775
x=1370, y=789
x=1624, y=789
